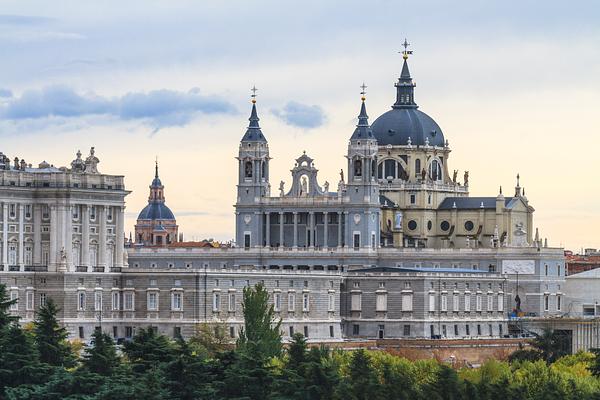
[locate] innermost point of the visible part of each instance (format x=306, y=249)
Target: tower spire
x=405, y=87
x=253, y=133
x=363, y=130
x=156, y=168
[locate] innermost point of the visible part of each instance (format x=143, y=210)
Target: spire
x=156, y=181
x=363, y=130
x=405, y=87
x=518, y=187
x=156, y=168
x=253, y=133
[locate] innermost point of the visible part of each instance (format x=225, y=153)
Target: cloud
x=157, y=108
x=6, y=19
x=5, y=93
x=301, y=115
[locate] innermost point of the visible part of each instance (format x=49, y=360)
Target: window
x=444, y=301
x=291, y=301
x=444, y=331
x=152, y=283
x=546, y=303
x=81, y=333
x=246, y=240
x=435, y=171
x=305, y=302
x=356, y=240
x=417, y=167
x=407, y=302
x=177, y=283
x=355, y=329
x=81, y=301
x=128, y=331
x=176, y=331
x=128, y=301
x=478, y=303
x=176, y=301
x=152, y=301
x=305, y=331
x=97, y=301
x=331, y=302
x=305, y=284
x=478, y=330
x=500, y=330
x=500, y=302
x=558, y=270
x=115, y=301
x=42, y=299
x=406, y=330
x=381, y=285
x=412, y=225
x=291, y=331
x=558, y=303
x=455, y=330
x=356, y=301
x=232, y=331
x=467, y=330
x=277, y=301
x=231, y=303
x=413, y=199
x=455, y=302
x=490, y=303
x=490, y=330
x=381, y=303
x=216, y=302
x=30, y=301
x=546, y=269
x=331, y=333
x=431, y=302
x=356, y=284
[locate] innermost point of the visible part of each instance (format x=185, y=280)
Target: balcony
x=115, y=269
x=36, y=268
x=98, y=269
x=81, y=268
x=13, y=268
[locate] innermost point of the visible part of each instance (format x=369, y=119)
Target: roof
x=363, y=130
x=466, y=203
x=396, y=126
x=386, y=202
x=253, y=133
x=404, y=269
x=156, y=210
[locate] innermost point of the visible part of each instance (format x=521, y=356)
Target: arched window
x=435, y=171
x=264, y=169
x=358, y=168
x=389, y=169
x=417, y=167
x=248, y=169
x=373, y=168
x=380, y=171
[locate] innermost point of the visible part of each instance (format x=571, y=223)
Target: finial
x=156, y=167
x=405, y=52
x=500, y=189
x=254, y=90
x=363, y=92
x=518, y=178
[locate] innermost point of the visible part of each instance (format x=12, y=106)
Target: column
x=120, y=231
x=347, y=237
x=325, y=230
x=21, y=236
x=53, y=237
x=68, y=234
x=311, y=227
x=339, y=229
x=85, y=235
x=37, y=234
x=268, y=229
x=5, y=236
x=281, y=215
x=295, y=229
x=102, y=241
x=61, y=237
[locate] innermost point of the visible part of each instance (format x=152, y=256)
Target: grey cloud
x=5, y=93
x=157, y=108
x=301, y=115
x=6, y=19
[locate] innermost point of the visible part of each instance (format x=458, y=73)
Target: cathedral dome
x=396, y=126
x=155, y=211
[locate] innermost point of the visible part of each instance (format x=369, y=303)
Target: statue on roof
x=341, y=175
x=281, y=189
x=326, y=187
x=466, y=177
x=454, y=176
x=91, y=162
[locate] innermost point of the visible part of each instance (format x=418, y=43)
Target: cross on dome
x=254, y=90
x=405, y=52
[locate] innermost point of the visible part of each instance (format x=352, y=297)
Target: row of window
x=467, y=300
x=29, y=300
x=442, y=330
x=276, y=299
x=75, y=212
x=128, y=297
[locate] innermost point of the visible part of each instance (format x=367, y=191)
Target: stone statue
x=91, y=162
x=341, y=175
x=454, y=176
x=466, y=177
x=304, y=189
x=63, y=254
x=281, y=190
x=423, y=174
x=518, y=304
x=326, y=187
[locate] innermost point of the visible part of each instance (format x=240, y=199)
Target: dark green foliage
x=445, y=385
x=247, y=377
x=551, y=345
x=5, y=302
x=361, y=382
x=101, y=356
x=148, y=349
x=595, y=367
x=261, y=331
x=51, y=338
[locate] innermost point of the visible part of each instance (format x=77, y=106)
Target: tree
x=211, y=339
x=148, y=349
x=261, y=332
x=5, y=302
x=101, y=356
x=51, y=338
x=361, y=383
x=444, y=386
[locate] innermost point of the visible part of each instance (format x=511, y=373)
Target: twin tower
x=308, y=215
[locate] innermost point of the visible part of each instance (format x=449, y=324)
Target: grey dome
x=397, y=125
x=156, y=210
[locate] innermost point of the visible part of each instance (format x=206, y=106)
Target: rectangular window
x=490, y=330
x=216, y=302
x=331, y=332
x=356, y=303
x=478, y=302
x=381, y=304
x=97, y=301
x=356, y=241
x=305, y=302
x=246, y=241
x=490, y=303
x=500, y=330
x=176, y=301
x=407, y=302
x=413, y=199
x=81, y=301
x=406, y=330
x=291, y=331
x=152, y=301
x=431, y=302
x=277, y=301
x=291, y=301
x=176, y=331
x=444, y=303
x=546, y=303
x=128, y=301
x=455, y=303
x=29, y=301
x=455, y=330
x=355, y=329
x=42, y=299
x=467, y=330
x=478, y=330
x=500, y=302
x=331, y=302
x=305, y=331
x=232, y=331
x=231, y=303
x=81, y=333
x=558, y=303
x=128, y=331
x=115, y=301
x=467, y=302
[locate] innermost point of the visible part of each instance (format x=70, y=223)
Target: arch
x=358, y=167
x=435, y=170
x=248, y=169
x=417, y=166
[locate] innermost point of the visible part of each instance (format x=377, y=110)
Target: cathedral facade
x=395, y=249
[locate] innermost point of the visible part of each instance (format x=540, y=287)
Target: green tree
x=100, y=356
x=551, y=345
x=148, y=349
x=361, y=382
x=595, y=366
x=445, y=385
x=51, y=338
x=247, y=376
x=261, y=331
x=5, y=302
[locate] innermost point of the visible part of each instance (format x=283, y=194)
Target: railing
x=81, y=268
x=36, y=268
x=98, y=269
x=14, y=268
x=115, y=269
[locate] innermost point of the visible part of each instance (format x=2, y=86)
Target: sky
x=514, y=85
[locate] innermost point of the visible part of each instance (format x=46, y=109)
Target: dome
x=397, y=125
x=156, y=210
